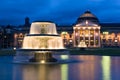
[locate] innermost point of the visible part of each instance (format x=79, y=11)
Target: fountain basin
x=40, y=44
x=42, y=35
x=39, y=55
x=40, y=41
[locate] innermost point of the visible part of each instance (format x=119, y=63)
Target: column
x=74, y=37
x=89, y=39
x=84, y=35
x=78, y=36
x=99, y=38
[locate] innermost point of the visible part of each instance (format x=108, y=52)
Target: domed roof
x=86, y=23
x=88, y=16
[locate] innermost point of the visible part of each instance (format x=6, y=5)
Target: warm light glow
x=43, y=28
x=70, y=40
x=76, y=34
x=15, y=35
x=116, y=40
x=40, y=42
x=64, y=33
x=86, y=35
x=91, y=35
x=96, y=34
x=89, y=27
x=82, y=44
x=94, y=27
x=98, y=27
x=43, y=61
x=105, y=32
x=74, y=28
x=14, y=48
x=42, y=39
x=86, y=22
x=83, y=27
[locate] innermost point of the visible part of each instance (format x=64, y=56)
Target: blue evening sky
x=59, y=11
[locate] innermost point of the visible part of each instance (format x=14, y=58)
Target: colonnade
x=90, y=35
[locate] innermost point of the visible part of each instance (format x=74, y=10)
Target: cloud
x=60, y=11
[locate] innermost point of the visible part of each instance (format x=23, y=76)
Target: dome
x=86, y=23
x=88, y=16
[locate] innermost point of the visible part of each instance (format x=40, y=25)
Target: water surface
x=87, y=68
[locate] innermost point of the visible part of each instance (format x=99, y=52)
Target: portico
x=87, y=31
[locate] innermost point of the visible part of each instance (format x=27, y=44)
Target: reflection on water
x=89, y=68
x=64, y=72
x=106, y=65
x=64, y=57
x=37, y=72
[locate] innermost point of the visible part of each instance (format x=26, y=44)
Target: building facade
x=87, y=29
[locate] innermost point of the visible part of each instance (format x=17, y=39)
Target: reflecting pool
x=87, y=68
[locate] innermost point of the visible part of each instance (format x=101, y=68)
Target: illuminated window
x=105, y=32
x=64, y=33
x=70, y=40
x=116, y=40
x=21, y=35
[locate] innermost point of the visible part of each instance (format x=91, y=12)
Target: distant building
x=87, y=29
x=110, y=35
x=6, y=36
x=1, y=37
x=20, y=32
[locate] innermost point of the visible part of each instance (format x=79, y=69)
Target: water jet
x=40, y=44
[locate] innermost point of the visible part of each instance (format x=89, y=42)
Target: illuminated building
x=90, y=30
x=87, y=30
x=111, y=37
x=103, y=34
x=6, y=36
x=20, y=32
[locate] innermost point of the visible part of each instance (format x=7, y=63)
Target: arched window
x=21, y=35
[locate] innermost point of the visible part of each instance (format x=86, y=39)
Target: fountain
x=82, y=45
x=40, y=44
